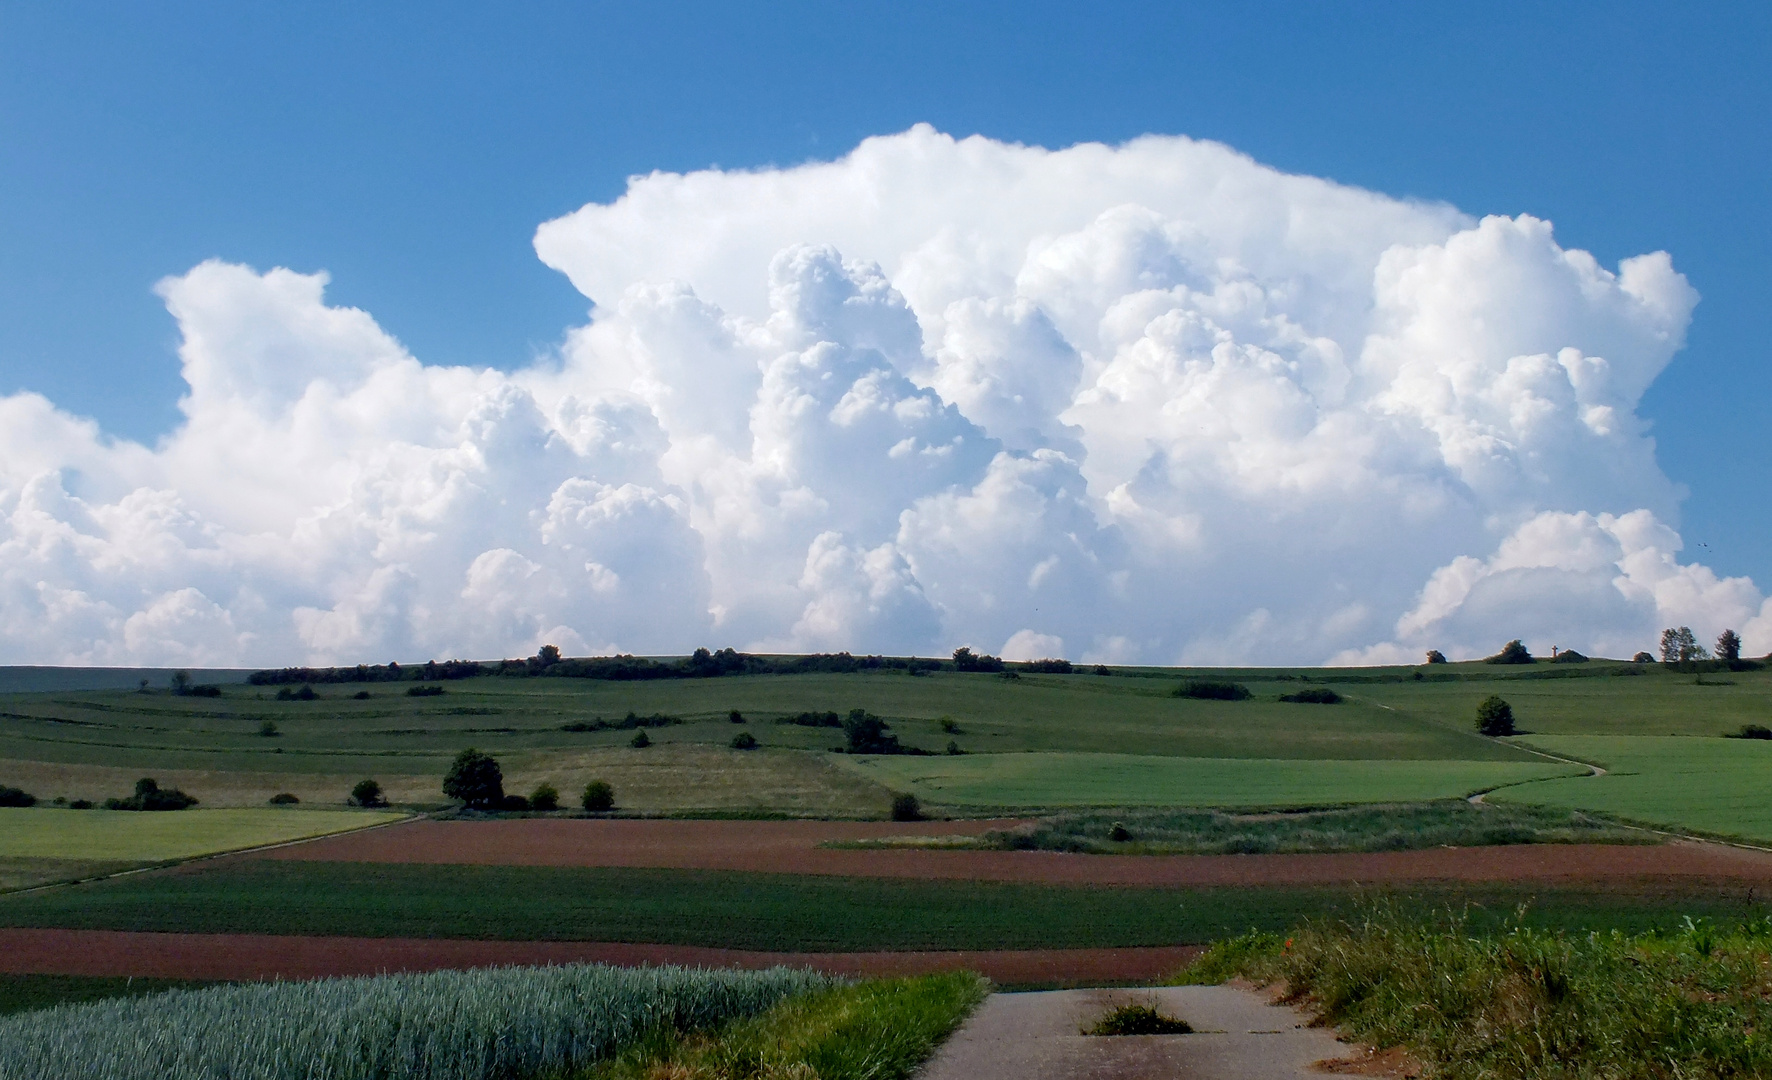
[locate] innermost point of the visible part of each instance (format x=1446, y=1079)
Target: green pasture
x=1710, y=785
x=778, y=912
x=1029, y=780
x=49, y=833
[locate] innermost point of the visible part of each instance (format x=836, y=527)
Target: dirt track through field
x=792, y=847
x=274, y=956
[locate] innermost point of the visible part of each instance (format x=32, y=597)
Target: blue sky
x=411, y=151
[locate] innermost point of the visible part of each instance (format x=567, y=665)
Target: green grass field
x=1083, y=779
x=47, y=833
x=1711, y=785
x=758, y=911
x=1040, y=740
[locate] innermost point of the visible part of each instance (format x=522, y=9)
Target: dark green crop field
x=764, y=911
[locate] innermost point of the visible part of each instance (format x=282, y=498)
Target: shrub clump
x=421, y=690
x=1212, y=690
x=546, y=798
x=1435, y=656
x=11, y=796
x=367, y=793
x=1752, y=731
x=1314, y=695
x=149, y=795
x=640, y=741
x=1134, y=1019
x=1569, y=656
x=598, y=797
x=306, y=693
x=1512, y=653
x=284, y=798
x=1495, y=717
x=744, y=740
x=905, y=807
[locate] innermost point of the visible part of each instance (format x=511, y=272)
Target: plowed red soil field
x=270, y=956
x=792, y=847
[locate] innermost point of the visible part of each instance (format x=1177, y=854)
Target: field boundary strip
x=163, y=864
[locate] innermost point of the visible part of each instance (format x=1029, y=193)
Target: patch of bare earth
x=793, y=847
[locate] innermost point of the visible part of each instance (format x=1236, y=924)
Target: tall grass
x=882, y=1029
x=1382, y=827
x=1520, y=1003
x=489, y=1024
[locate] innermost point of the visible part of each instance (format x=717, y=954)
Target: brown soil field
x=270, y=956
x=792, y=847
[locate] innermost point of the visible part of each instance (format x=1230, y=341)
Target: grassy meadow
x=1030, y=742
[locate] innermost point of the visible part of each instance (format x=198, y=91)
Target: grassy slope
x=152, y=837
x=751, y=911
x=1012, y=780
x=1711, y=785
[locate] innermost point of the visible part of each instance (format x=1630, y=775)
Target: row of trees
x=1678, y=646
x=477, y=780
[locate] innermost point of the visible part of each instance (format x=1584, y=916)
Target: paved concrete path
x=1036, y=1036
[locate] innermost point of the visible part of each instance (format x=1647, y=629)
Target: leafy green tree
x=744, y=740
x=905, y=807
x=1679, y=645
x=475, y=779
x=867, y=734
x=1729, y=646
x=1435, y=656
x=1495, y=717
x=181, y=682
x=545, y=797
x=598, y=797
x=640, y=741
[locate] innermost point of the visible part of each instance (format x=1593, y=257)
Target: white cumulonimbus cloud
x=1145, y=403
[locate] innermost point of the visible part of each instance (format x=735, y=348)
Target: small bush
x=11, y=796
x=1511, y=653
x=954, y=749
x=1752, y=731
x=640, y=741
x=150, y=796
x=284, y=798
x=1642, y=658
x=425, y=690
x=1012, y=676
x=905, y=807
x=80, y=804
x=366, y=793
x=268, y=729
x=744, y=740
x=1212, y=690
x=1568, y=656
x=1315, y=695
x=598, y=797
x=1495, y=717
x=1119, y=833
x=515, y=804
x=813, y=719
x=546, y=797
x=205, y=690
x=361, y=695
x=735, y=717
x=1102, y=669
x=949, y=726
x=1138, y=1020
x=306, y=693
x=1435, y=656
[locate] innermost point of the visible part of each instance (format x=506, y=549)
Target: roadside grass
x=22, y=993
x=1084, y=779
x=1375, y=827
x=26, y=873
x=773, y=912
x=875, y=1030
x=1515, y=1001
x=1709, y=785
x=485, y=1024
x=48, y=833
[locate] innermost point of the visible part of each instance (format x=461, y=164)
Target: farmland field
x=1033, y=780
x=1709, y=785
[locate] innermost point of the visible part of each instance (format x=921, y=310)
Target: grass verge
x=877, y=1030
x=1515, y=1002
x=1392, y=827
